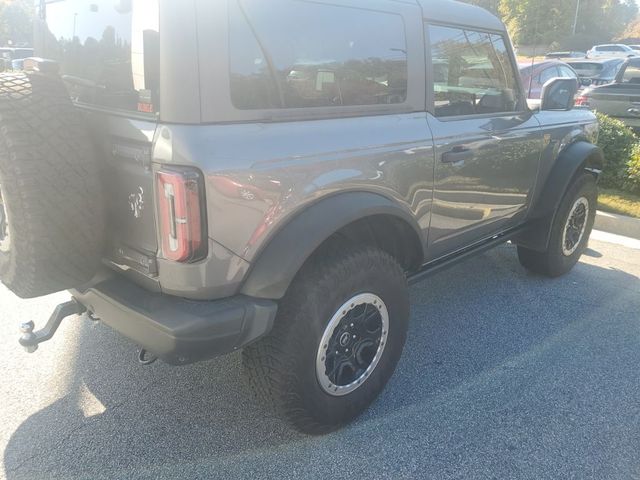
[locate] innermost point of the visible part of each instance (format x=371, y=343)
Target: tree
x=16, y=21
x=551, y=21
x=533, y=22
x=632, y=32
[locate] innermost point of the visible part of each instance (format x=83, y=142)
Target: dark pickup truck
x=620, y=98
x=209, y=176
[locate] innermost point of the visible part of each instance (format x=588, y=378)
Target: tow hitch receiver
x=30, y=339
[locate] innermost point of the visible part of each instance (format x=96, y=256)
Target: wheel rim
x=5, y=238
x=575, y=227
x=352, y=344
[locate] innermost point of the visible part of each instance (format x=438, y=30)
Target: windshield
x=586, y=69
x=109, y=51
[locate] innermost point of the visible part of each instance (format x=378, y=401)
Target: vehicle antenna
x=535, y=47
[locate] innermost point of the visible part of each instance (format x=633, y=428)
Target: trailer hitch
x=30, y=339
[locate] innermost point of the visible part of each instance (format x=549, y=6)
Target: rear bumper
x=176, y=330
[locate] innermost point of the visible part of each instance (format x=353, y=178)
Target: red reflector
x=180, y=215
x=582, y=101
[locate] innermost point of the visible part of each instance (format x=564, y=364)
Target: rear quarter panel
x=260, y=175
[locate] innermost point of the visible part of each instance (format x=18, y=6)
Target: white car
x=612, y=51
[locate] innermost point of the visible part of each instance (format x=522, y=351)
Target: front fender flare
x=578, y=157
x=282, y=258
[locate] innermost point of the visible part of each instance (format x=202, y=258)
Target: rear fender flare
x=279, y=262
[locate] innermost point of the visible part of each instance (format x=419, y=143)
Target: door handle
x=457, y=155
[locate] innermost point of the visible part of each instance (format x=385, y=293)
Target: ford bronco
x=209, y=176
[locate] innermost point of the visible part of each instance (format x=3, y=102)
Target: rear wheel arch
x=364, y=218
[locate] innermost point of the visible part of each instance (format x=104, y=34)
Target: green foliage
x=618, y=143
x=631, y=34
x=543, y=22
x=16, y=21
x=633, y=172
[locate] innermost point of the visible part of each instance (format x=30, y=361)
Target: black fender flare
x=288, y=250
x=579, y=156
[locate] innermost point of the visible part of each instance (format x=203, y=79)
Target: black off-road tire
x=50, y=186
x=553, y=262
x=282, y=367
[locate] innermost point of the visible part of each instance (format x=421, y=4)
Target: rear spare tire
x=51, y=204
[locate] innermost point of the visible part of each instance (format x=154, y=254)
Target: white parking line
x=616, y=239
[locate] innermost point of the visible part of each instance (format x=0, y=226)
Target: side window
x=299, y=54
x=548, y=74
x=631, y=74
x=109, y=54
x=473, y=73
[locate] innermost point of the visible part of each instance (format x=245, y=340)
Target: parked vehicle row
x=610, y=86
x=12, y=58
x=587, y=73
x=619, y=99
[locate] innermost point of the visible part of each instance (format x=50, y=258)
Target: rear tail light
x=181, y=215
x=582, y=101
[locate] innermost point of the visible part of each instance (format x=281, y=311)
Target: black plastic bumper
x=176, y=330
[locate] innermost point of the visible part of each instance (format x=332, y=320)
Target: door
x=487, y=142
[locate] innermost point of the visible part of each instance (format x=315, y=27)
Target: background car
x=564, y=55
x=13, y=57
x=620, y=99
x=617, y=50
x=535, y=76
x=636, y=48
x=597, y=72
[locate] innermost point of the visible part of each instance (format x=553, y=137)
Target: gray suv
x=209, y=176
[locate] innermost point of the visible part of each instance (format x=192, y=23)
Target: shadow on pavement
x=476, y=330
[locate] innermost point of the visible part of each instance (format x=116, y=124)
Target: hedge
x=621, y=149
x=633, y=172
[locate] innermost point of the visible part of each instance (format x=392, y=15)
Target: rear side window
x=108, y=50
x=298, y=54
x=473, y=73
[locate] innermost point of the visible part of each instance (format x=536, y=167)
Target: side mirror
x=586, y=82
x=559, y=94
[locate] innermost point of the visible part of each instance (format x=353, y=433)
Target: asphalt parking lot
x=505, y=375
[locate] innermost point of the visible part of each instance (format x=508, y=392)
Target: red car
x=536, y=75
